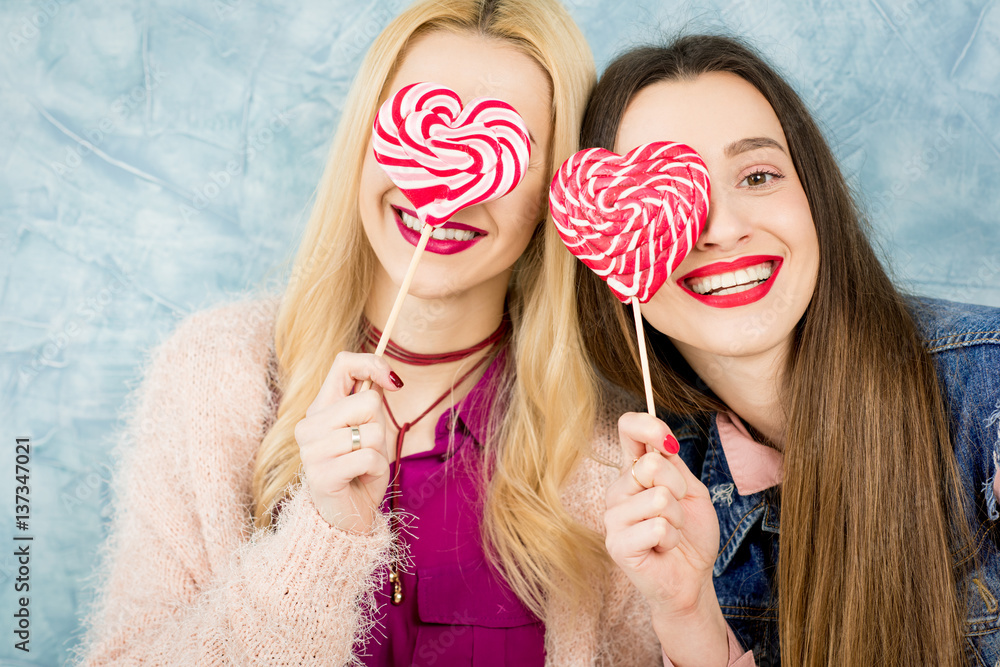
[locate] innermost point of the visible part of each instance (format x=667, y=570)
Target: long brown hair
x=865, y=574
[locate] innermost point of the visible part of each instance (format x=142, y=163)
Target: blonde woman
x=248, y=527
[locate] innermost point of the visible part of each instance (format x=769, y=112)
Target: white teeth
x=734, y=290
x=410, y=221
x=439, y=233
x=732, y=282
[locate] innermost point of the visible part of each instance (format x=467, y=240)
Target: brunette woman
x=834, y=499
x=270, y=512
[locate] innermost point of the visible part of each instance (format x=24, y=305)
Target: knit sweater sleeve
x=622, y=633
x=185, y=580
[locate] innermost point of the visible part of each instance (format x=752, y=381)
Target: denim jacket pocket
x=982, y=627
x=982, y=603
x=757, y=631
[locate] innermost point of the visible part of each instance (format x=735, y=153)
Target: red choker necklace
x=403, y=355
x=398, y=353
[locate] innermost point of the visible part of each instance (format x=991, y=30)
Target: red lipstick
x=739, y=298
x=438, y=246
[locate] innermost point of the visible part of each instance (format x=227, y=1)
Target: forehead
x=708, y=113
x=476, y=66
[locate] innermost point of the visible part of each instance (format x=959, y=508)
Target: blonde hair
x=541, y=437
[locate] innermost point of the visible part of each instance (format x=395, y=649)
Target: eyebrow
x=753, y=143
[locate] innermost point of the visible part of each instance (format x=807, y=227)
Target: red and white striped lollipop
x=444, y=157
x=634, y=218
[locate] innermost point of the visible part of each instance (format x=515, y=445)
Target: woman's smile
x=733, y=283
x=446, y=239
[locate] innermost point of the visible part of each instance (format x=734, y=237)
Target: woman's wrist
x=696, y=637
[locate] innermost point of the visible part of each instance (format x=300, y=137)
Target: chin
x=435, y=283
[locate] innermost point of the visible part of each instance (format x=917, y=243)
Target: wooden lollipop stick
x=641, y=338
x=425, y=236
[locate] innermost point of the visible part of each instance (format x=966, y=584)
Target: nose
x=726, y=229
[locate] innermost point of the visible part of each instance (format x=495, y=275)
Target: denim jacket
x=964, y=342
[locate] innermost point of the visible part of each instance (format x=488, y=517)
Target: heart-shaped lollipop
x=444, y=157
x=632, y=218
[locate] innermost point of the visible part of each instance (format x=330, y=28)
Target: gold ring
x=634, y=461
x=355, y=439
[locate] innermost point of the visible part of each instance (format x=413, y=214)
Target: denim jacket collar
x=737, y=514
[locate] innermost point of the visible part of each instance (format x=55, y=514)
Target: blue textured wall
x=157, y=156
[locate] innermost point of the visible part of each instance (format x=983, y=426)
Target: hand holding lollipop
x=632, y=219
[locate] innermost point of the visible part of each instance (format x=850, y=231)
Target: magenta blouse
x=456, y=609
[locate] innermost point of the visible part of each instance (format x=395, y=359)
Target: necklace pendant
x=397, y=587
x=397, y=592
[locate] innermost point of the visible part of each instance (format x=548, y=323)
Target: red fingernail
x=395, y=380
x=670, y=445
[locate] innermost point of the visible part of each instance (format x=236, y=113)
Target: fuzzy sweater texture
x=187, y=581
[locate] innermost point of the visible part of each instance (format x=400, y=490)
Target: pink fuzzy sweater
x=186, y=581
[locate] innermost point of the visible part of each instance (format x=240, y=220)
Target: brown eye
x=760, y=179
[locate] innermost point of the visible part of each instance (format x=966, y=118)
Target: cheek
x=522, y=209
x=793, y=224
x=374, y=182
x=533, y=190
x=799, y=234
x=657, y=310
x=804, y=237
